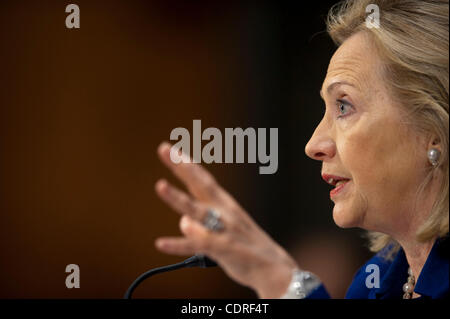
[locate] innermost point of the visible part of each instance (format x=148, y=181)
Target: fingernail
x=160, y=185
x=184, y=223
x=160, y=243
x=162, y=146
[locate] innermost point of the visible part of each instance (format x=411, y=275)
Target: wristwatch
x=302, y=284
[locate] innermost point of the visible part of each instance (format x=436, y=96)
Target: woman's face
x=364, y=141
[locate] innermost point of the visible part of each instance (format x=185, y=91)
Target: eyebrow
x=333, y=85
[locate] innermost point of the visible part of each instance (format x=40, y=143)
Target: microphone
x=194, y=261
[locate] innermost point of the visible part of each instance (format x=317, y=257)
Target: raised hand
x=243, y=250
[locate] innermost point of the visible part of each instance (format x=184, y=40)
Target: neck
x=417, y=252
x=416, y=255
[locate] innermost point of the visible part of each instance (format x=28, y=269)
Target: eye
x=343, y=108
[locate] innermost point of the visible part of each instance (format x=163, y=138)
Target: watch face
x=302, y=284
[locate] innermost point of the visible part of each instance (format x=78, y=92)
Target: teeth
x=340, y=182
x=330, y=181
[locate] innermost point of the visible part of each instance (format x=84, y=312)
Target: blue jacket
x=433, y=281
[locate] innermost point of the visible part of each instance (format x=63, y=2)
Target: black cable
x=194, y=261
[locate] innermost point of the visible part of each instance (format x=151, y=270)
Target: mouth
x=338, y=182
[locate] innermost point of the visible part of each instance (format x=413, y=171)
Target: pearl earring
x=433, y=156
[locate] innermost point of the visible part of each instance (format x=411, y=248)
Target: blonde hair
x=412, y=39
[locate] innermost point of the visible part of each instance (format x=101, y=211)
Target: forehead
x=355, y=61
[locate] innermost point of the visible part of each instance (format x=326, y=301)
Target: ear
x=434, y=151
x=434, y=142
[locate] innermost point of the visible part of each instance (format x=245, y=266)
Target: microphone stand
x=194, y=261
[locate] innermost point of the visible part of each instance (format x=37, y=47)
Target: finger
x=196, y=178
x=197, y=239
x=176, y=246
x=205, y=240
x=195, y=230
x=179, y=200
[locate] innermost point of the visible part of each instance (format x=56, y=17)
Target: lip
x=338, y=189
x=332, y=180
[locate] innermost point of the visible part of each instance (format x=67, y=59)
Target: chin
x=345, y=217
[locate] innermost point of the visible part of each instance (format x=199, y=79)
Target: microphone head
x=198, y=260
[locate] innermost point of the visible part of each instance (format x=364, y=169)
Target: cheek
x=380, y=159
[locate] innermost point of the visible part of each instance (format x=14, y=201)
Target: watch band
x=302, y=284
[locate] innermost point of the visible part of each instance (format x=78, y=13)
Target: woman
x=383, y=144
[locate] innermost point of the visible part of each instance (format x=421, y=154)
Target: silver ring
x=212, y=221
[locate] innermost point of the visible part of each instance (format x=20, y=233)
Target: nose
x=321, y=146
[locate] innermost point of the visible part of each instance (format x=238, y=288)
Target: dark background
x=83, y=110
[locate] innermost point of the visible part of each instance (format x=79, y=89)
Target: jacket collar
x=433, y=281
